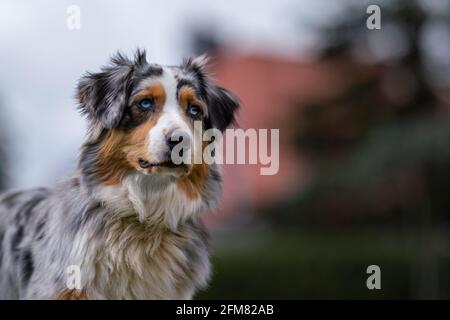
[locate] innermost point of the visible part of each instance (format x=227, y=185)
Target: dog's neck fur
x=155, y=200
x=150, y=240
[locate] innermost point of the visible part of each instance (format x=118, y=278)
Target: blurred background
x=364, y=119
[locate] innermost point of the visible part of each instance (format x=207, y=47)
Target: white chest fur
x=150, y=245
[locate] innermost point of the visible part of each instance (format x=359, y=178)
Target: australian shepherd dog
x=128, y=218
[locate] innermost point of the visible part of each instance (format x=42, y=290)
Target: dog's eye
x=194, y=111
x=146, y=104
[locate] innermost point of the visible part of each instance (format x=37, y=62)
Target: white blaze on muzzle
x=171, y=122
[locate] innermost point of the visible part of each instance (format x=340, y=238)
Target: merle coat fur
x=137, y=238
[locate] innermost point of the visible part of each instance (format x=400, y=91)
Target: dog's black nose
x=173, y=140
x=181, y=139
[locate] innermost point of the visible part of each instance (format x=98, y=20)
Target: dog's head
x=143, y=110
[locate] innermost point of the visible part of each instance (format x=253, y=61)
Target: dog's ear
x=103, y=95
x=222, y=104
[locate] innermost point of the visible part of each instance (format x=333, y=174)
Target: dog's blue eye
x=194, y=111
x=146, y=104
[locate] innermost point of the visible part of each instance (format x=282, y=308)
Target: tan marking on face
x=155, y=91
x=74, y=294
x=193, y=183
x=120, y=151
x=112, y=165
x=187, y=96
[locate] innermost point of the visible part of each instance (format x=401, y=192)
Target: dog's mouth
x=144, y=164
